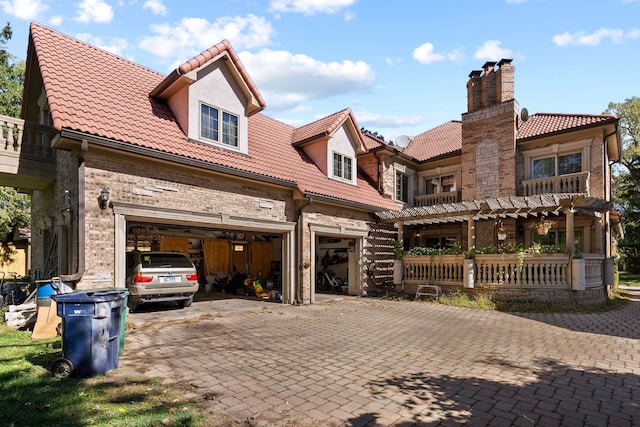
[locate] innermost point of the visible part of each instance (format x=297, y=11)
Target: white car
x=160, y=276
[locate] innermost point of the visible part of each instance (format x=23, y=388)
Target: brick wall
x=489, y=151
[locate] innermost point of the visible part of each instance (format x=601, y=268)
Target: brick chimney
x=488, y=87
x=489, y=133
x=505, y=81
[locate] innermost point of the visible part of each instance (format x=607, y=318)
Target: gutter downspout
x=75, y=277
x=300, y=260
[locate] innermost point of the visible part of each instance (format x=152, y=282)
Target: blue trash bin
x=90, y=332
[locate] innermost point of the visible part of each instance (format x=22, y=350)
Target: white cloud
x=115, y=45
x=595, y=38
x=286, y=79
x=349, y=15
x=23, y=9
x=492, y=51
x=426, y=54
x=156, y=6
x=191, y=36
x=310, y=7
x=55, y=20
x=94, y=11
x=382, y=120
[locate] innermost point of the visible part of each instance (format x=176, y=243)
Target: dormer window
x=219, y=126
x=342, y=166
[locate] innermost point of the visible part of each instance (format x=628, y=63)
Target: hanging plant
x=543, y=226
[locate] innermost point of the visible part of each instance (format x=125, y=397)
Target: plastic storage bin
x=91, y=324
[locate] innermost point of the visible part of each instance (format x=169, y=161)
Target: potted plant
x=543, y=226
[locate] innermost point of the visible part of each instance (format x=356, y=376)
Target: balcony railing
x=437, y=199
x=569, y=183
x=26, y=138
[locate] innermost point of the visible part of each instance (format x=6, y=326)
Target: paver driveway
x=370, y=362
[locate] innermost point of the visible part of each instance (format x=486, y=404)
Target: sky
x=401, y=66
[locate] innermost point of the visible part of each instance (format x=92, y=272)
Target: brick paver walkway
x=370, y=362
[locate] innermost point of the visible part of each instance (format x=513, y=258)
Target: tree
x=627, y=179
x=15, y=207
x=11, y=77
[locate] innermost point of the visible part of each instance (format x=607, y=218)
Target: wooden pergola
x=502, y=207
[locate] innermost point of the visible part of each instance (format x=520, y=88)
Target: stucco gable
x=188, y=72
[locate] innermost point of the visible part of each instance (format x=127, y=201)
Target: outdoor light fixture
x=103, y=198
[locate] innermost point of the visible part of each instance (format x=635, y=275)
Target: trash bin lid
x=88, y=297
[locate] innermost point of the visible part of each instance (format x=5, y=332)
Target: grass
x=486, y=302
x=629, y=279
x=31, y=396
x=460, y=299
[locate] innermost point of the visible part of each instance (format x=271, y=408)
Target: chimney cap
x=475, y=73
x=504, y=61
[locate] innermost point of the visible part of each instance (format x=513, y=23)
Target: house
x=184, y=162
x=119, y=157
x=501, y=177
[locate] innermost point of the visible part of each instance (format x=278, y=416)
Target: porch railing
x=434, y=269
x=544, y=271
x=528, y=271
x=438, y=198
x=593, y=267
x=569, y=183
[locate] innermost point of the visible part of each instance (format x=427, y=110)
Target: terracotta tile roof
x=95, y=92
x=266, y=134
x=325, y=126
x=541, y=124
x=371, y=142
x=441, y=140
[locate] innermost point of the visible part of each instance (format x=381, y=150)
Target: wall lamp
x=103, y=198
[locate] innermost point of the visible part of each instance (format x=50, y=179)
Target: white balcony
x=569, y=183
x=437, y=199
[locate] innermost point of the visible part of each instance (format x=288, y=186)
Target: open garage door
x=230, y=263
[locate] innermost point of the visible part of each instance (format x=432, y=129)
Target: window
x=210, y=120
x=342, y=166
x=557, y=165
x=402, y=187
x=441, y=184
x=559, y=238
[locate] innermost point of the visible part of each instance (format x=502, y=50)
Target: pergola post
x=471, y=233
x=599, y=236
x=400, y=227
x=570, y=238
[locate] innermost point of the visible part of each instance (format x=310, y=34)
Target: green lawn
x=629, y=279
x=31, y=396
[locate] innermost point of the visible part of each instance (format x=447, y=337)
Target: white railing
x=25, y=138
x=593, y=267
x=437, y=199
x=433, y=269
x=528, y=271
x=544, y=271
x=569, y=183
